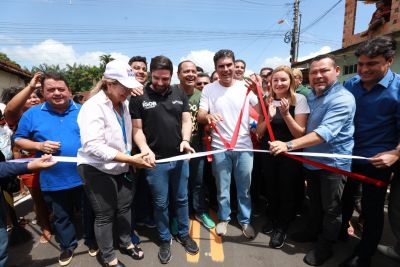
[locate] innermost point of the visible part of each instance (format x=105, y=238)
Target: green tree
x=4, y=57
x=104, y=59
x=48, y=68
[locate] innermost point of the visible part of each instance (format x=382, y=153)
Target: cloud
x=54, y=52
x=202, y=58
x=323, y=50
x=274, y=62
x=7, y=40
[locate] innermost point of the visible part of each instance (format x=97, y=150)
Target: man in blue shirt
x=329, y=130
x=376, y=136
x=52, y=128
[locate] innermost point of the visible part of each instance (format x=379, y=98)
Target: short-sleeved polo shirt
x=161, y=117
x=40, y=124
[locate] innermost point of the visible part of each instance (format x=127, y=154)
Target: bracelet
x=184, y=140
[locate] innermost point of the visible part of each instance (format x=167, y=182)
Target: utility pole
x=294, y=48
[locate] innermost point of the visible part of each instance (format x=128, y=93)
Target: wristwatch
x=289, y=146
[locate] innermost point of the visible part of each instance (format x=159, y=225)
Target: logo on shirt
x=177, y=102
x=148, y=105
x=130, y=72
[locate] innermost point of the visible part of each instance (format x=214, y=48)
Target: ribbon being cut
x=231, y=146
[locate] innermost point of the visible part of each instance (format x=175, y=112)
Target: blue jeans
x=241, y=164
x=3, y=233
x=161, y=178
x=61, y=203
x=197, y=185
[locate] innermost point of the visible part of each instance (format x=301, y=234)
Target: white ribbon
x=203, y=154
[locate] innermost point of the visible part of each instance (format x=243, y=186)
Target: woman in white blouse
x=104, y=160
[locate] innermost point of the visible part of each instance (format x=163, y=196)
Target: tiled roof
x=15, y=69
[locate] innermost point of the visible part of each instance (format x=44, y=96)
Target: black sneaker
x=164, y=253
x=317, y=256
x=268, y=227
x=278, y=239
x=189, y=244
x=65, y=257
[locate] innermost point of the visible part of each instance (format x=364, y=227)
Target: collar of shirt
x=72, y=106
x=385, y=82
x=150, y=91
x=326, y=90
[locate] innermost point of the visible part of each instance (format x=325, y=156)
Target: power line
x=313, y=23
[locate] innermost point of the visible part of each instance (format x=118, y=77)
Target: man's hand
x=185, y=146
x=41, y=163
x=214, y=118
x=384, y=159
x=137, y=91
x=49, y=147
x=277, y=147
x=35, y=80
x=141, y=161
x=149, y=157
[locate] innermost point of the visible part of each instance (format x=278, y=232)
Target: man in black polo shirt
x=162, y=127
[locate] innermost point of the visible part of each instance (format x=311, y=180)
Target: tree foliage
x=4, y=57
x=80, y=77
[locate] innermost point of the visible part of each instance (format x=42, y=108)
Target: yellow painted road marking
x=217, y=250
x=195, y=234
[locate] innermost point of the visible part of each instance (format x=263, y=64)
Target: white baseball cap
x=122, y=72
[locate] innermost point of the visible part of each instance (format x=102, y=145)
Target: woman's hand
x=284, y=108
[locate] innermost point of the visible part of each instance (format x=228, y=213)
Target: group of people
x=123, y=133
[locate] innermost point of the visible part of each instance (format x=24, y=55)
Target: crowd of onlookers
x=133, y=118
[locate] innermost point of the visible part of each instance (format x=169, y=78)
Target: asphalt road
x=233, y=250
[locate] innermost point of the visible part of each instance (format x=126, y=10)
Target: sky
x=63, y=32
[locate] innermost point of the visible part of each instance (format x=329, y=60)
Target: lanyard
x=121, y=123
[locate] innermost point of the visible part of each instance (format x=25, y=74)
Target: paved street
x=232, y=250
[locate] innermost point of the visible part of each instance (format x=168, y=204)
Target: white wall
x=8, y=80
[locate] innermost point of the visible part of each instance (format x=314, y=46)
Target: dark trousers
x=197, y=185
x=3, y=232
x=111, y=197
x=62, y=203
x=394, y=208
x=142, y=208
x=350, y=194
x=325, y=192
x=282, y=174
x=372, y=201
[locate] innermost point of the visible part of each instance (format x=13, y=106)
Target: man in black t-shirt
x=162, y=128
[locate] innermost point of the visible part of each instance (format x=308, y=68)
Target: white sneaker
x=222, y=228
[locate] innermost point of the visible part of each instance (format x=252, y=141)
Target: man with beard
x=162, y=128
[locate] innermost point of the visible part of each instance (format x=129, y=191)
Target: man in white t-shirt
x=221, y=103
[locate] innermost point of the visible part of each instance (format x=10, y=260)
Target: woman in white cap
x=104, y=160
